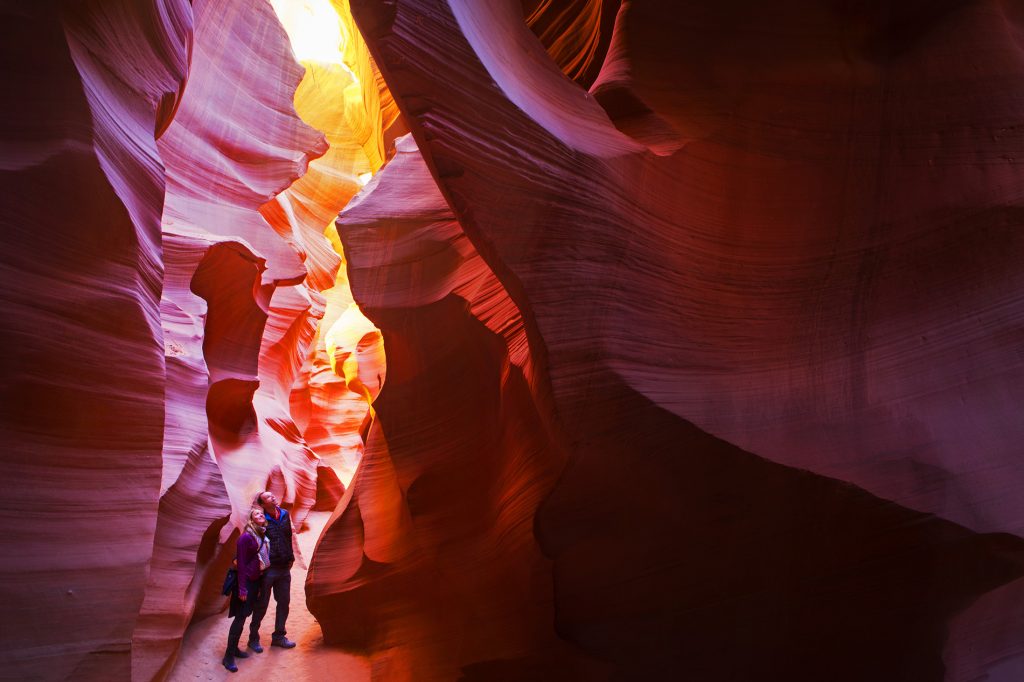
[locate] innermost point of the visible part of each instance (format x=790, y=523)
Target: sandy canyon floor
x=204, y=642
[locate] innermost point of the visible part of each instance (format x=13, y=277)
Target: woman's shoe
x=229, y=663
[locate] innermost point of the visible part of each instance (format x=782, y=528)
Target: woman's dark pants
x=243, y=612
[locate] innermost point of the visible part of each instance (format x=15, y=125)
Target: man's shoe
x=282, y=642
x=254, y=644
x=229, y=663
x=240, y=654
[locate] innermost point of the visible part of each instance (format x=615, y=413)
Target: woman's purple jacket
x=248, y=562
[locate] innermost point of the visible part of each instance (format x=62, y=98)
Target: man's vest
x=279, y=532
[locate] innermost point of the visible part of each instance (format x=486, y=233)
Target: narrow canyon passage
x=582, y=339
x=325, y=357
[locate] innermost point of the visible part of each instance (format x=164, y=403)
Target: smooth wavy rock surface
x=437, y=520
x=193, y=504
x=238, y=316
x=759, y=263
x=172, y=313
x=83, y=379
x=702, y=326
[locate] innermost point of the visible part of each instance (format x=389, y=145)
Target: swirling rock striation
x=438, y=518
x=702, y=324
x=159, y=314
x=238, y=314
x=83, y=379
x=755, y=265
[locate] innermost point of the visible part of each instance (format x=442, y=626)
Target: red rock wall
x=148, y=137
x=238, y=315
x=82, y=413
x=346, y=99
x=771, y=254
x=438, y=519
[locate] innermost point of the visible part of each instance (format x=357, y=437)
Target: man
x=278, y=577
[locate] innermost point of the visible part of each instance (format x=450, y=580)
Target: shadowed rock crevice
x=694, y=555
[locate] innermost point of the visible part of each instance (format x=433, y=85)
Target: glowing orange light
x=341, y=96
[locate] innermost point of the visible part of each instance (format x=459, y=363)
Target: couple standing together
x=264, y=559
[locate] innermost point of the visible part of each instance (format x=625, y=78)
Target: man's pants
x=278, y=579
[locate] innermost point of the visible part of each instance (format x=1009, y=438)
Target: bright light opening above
x=313, y=27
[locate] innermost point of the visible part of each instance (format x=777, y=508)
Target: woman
x=250, y=544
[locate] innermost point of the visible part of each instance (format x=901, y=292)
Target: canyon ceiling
x=623, y=339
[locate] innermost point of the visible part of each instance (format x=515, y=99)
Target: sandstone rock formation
x=701, y=324
x=240, y=313
x=170, y=319
x=757, y=263
x=438, y=519
x=343, y=95
x=83, y=380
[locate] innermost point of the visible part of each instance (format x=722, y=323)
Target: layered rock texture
x=343, y=95
x=436, y=528
x=702, y=326
x=767, y=267
x=83, y=371
x=154, y=158
x=236, y=314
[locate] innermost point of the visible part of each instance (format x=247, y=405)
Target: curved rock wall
x=438, y=519
x=83, y=380
x=346, y=99
x=239, y=313
x=166, y=133
x=756, y=264
x=575, y=33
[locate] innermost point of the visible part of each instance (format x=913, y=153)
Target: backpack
x=230, y=581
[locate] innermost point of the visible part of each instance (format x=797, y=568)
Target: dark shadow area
x=679, y=553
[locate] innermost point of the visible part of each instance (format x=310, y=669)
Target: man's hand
x=242, y=596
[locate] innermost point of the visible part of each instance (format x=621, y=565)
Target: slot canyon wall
x=702, y=327
x=767, y=387
x=82, y=269
x=157, y=371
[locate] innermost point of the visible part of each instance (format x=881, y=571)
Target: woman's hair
x=251, y=526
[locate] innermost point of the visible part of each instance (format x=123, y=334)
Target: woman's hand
x=242, y=596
